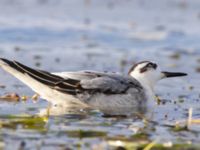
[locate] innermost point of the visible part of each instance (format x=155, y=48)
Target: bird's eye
x=152, y=65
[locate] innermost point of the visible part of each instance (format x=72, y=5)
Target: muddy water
x=100, y=35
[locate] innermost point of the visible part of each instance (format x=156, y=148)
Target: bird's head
x=148, y=73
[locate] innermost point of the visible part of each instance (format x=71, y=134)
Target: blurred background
x=71, y=35
x=93, y=34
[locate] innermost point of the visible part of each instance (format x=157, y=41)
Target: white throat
x=147, y=84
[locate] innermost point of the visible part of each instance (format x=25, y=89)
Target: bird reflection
x=57, y=110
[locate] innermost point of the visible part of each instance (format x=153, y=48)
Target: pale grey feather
x=102, y=82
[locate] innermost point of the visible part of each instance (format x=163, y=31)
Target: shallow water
x=99, y=35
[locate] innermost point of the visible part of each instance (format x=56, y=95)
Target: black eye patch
x=147, y=66
x=155, y=66
x=151, y=65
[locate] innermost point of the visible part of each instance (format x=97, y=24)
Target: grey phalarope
x=107, y=92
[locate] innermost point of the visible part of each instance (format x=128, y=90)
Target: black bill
x=173, y=74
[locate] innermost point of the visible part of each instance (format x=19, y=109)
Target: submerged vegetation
x=111, y=135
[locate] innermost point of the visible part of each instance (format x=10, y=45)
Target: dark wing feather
x=51, y=80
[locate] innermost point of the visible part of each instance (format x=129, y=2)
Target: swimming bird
x=107, y=92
